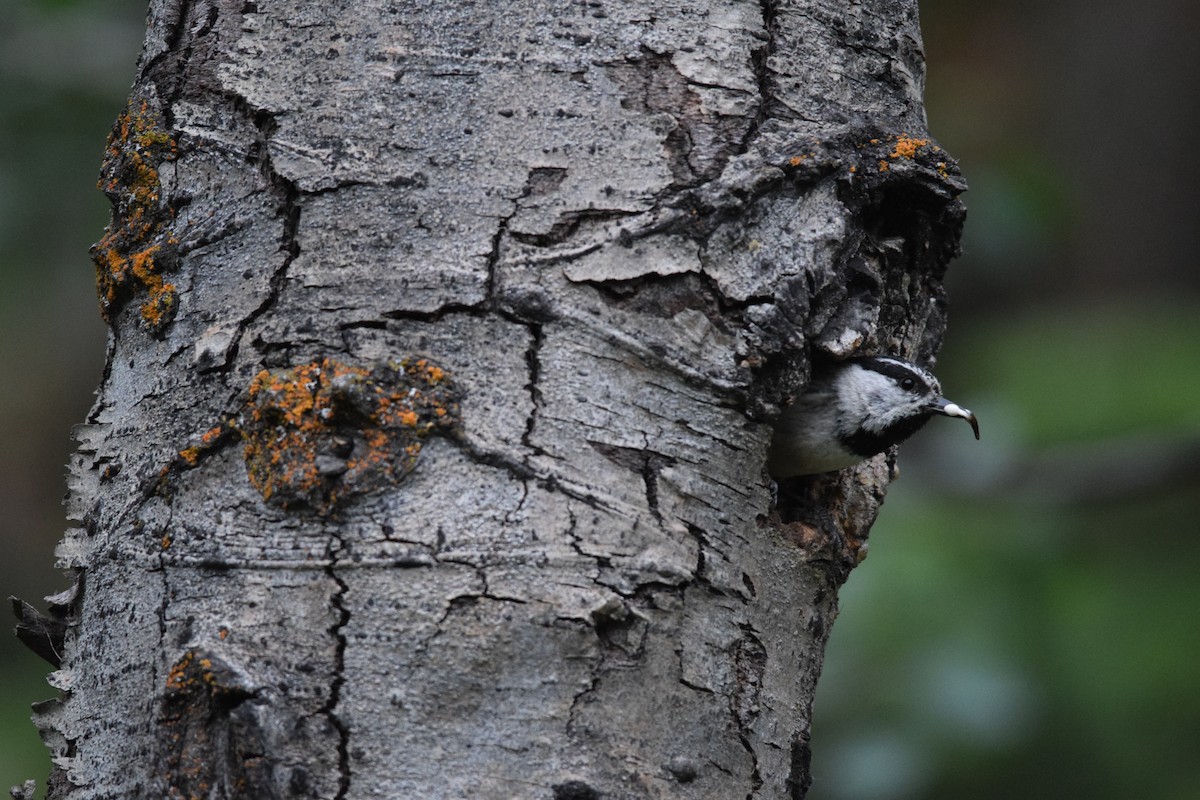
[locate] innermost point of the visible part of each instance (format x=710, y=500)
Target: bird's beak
x=946, y=408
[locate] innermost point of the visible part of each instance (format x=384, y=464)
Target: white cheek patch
x=858, y=384
x=872, y=401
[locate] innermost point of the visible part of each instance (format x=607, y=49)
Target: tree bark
x=428, y=460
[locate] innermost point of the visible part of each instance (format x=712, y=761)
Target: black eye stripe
x=897, y=372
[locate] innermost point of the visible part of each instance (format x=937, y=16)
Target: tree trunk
x=428, y=460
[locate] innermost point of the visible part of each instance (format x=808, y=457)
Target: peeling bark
x=621, y=233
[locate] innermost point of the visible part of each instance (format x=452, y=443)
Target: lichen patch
x=320, y=432
x=137, y=248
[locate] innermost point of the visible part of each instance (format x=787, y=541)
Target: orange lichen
x=319, y=432
x=907, y=146
x=194, y=711
x=190, y=456
x=323, y=431
x=136, y=247
x=883, y=166
x=192, y=672
x=433, y=374
x=181, y=674
x=210, y=436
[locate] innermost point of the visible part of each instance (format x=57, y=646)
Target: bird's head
x=881, y=401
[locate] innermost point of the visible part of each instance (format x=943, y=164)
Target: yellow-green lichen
x=137, y=248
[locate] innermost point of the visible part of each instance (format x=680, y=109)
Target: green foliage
x=1089, y=372
x=1001, y=642
x=22, y=754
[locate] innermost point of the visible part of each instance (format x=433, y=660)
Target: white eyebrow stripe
x=901, y=366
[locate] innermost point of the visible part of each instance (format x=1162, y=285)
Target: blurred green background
x=1028, y=622
x=1026, y=625
x=65, y=69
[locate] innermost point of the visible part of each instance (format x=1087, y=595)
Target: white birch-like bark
x=600, y=243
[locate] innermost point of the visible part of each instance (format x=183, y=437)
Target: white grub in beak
x=944, y=406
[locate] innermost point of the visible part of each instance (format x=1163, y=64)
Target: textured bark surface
x=428, y=461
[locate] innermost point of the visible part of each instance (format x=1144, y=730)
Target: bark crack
x=337, y=630
x=756, y=780
x=533, y=360
x=759, y=58
x=579, y=697
x=289, y=205
x=750, y=658
x=493, y=257
x=524, y=472
x=436, y=315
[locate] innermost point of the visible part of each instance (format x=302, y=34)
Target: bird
x=854, y=409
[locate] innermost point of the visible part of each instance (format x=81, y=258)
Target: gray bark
x=428, y=461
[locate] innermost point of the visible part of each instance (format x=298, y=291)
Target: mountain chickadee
x=854, y=409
